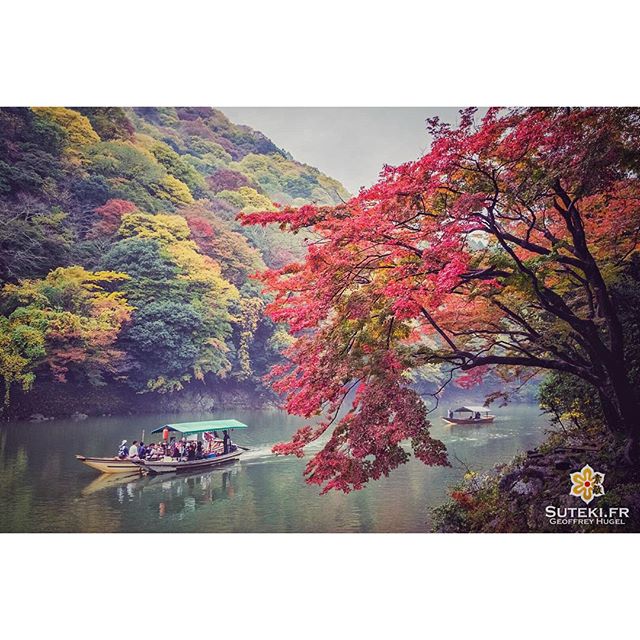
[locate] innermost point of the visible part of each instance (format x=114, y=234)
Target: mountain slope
x=121, y=261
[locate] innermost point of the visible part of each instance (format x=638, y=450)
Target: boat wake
x=262, y=453
x=258, y=454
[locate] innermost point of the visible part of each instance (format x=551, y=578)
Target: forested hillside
x=123, y=270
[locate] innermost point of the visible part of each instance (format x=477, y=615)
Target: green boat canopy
x=200, y=427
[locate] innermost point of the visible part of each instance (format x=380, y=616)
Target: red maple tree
x=497, y=249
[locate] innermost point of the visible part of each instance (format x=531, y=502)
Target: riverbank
x=532, y=492
x=49, y=400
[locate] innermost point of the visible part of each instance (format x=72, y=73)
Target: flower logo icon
x=587, y=484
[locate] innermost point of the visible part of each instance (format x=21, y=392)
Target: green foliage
x=150, y=269
x=569, y=400
x=110, y=123
x=289, y=182
x=179, y=168
x=33, y=239
x=176, y=289
x=30, y=150
x=134, y=174
x=168, y=340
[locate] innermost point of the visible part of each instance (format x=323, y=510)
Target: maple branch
x=437, y=327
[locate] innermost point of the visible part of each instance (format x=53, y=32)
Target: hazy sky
x=350, y=144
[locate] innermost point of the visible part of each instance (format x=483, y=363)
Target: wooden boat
x=169, y=465
x=206, y=427
x=477, y=415
x=178, y=466
x=111, y=465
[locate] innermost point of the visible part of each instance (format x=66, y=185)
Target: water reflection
x=108, y=481
x=13, y=482
x=43, y=488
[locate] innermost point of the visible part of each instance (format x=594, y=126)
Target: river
x=44, y=489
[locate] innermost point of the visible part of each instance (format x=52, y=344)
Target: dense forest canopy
x=510, y=248
x=121, y=261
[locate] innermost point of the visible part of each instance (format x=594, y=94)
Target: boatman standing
x=226, y=441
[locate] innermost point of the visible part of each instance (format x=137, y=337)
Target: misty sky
x=350, y=144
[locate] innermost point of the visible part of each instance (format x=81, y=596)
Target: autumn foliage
x=495, y=252
x=121, y=262
x=68, y=321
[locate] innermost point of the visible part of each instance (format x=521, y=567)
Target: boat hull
x=174, y=466
x=111, y=465
x=469, y=420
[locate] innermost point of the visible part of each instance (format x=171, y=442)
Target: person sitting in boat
x=191, y=452
x=123, y=450
x=199, y=452
x=477, y=416
x=450, y=413
x=152, y=451
x=142, y=451
x=133, y=451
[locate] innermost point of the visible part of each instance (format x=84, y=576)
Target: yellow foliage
x=64, y=286
x=174, y=190
x=248, y=199
x=200, y=269
x=164, y=228
x=18, y=347
x=78, y=128
x=65, y=318
x=253, y=201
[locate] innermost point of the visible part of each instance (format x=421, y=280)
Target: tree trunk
x=609, y=411
x=625, y=400
x=622, y=411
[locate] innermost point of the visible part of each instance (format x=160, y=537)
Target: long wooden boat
x=111, y=465
x=179, y=466
x=203, y=428
x=477, y=415
x=484, y=420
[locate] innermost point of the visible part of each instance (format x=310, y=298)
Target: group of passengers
x=183, y=450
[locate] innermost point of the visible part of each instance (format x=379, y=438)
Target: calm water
x=43, y=487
